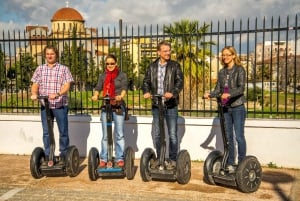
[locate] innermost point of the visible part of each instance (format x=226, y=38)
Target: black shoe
x=170, y=164
x=61, y=160
x=45, y=161
x=154, y=164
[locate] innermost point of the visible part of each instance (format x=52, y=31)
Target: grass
x=274, y=105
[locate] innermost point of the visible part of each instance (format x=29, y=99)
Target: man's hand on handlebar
x=147, y=95
x=33, y=97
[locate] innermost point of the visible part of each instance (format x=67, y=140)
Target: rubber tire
x=249, y=175
x=93, y=162
x=36, y=159
x=212, y=166
x=129, y=163
x=145, y=162
x=183, y=167
x=72, y=161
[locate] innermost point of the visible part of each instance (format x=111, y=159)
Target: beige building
x=63, y=24
x=139, y=48
x=273, y=49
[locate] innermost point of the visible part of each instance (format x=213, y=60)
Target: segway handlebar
x=217, y=98
x=106, y=98
x=42, y=97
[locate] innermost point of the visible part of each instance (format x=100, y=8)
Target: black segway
x=149, y=170
x=247, y=175
x=38, y=165
x=112, y=170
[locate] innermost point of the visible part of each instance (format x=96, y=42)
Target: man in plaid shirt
x=53, y=80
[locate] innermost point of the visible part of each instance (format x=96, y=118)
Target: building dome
x=67, y=14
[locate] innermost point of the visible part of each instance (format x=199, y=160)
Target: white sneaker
x=230, y=169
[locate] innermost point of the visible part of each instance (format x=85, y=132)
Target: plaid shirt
x=51, y=80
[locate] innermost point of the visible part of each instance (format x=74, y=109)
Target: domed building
x=64, y=24
x=66, y=19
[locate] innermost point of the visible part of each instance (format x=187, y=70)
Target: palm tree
x=191, y=51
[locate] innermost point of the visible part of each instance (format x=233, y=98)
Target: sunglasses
x=111, y=64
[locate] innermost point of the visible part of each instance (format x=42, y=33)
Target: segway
x=38, y=163
x=111, y=170
x=149, y=169
x=247, y=175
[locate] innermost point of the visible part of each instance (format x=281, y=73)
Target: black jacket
x=173, y=81
x=237, y=81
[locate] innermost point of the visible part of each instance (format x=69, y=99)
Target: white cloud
x=133, y=12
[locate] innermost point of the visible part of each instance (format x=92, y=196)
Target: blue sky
x=16, y=14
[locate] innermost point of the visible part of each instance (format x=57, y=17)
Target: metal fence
x=269, y=50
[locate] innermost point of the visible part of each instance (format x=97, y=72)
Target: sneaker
x=170, y=165
x=230, y=169
x=121, y=163
x=102, y=164
x=109, y=164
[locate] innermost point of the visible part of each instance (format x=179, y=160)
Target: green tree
x=2, y=70
x=144, y=64
x=93, y=72
x=74, y=56
x=191, y=51
x=24, y=70
x=263, y=73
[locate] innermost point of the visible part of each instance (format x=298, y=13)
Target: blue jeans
x=118, y=135
x=171, y=116
x=61, y=116
x=235, y=121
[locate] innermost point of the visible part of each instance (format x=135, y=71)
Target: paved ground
x=16, y=183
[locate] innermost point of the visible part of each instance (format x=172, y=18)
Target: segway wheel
x=183, y=167
x=212, y=166
x=36, y=160
x=72, y=161
x=93, y=162
x=249, y=174
x=148, y=157
x=129, y=163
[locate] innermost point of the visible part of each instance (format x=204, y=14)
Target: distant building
x=63, y=24
x=139, y=48
x=272, y=49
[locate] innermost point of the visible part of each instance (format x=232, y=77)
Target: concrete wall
x=276, y=141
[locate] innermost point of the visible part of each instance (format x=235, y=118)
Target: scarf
x=109, y=84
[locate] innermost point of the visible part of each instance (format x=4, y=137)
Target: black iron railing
x=269, y=51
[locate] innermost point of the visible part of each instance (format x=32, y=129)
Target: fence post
x=121, y=40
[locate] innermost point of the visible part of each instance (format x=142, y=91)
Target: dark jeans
x=235, y=121
x=171, y=117
x=61, y=116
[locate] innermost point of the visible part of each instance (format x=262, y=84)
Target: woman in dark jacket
x=231, y=86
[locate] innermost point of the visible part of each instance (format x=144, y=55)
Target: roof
x=67, y=13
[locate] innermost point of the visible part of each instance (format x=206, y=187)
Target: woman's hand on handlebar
x=94, y=98
x=118, y=98
x=206, y=96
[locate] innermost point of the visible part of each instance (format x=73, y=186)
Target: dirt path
x=277, y=184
